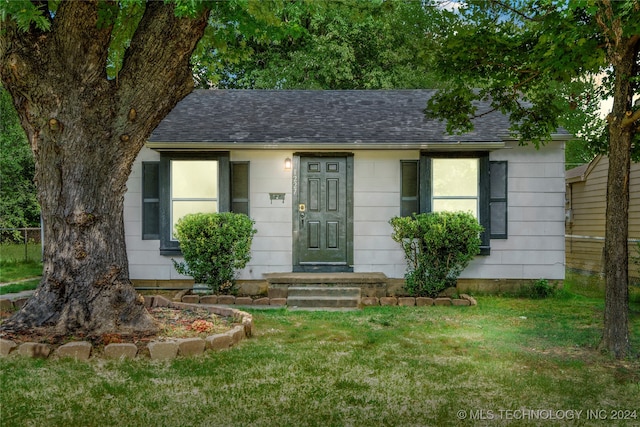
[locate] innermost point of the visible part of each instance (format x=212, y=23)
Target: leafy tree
x=533, y=59
x=18, y=204
x=326, y=44
x=585, y=122
x=90, y=80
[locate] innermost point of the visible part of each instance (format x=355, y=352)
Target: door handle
x=302, y=208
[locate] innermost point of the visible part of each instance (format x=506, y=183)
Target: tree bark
x=615, y=338
x=85, y=132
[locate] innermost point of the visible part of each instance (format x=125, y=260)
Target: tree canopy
x=323, y=44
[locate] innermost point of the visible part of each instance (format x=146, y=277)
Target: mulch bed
x=172, y=323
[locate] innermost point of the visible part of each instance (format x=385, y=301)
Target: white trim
x=355, y=145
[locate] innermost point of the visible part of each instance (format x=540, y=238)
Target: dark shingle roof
x=300, y=117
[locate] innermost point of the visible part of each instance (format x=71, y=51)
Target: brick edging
x=158, y=350
x=464, y=300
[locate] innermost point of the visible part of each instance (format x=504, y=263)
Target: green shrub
x=541, y=289
x=214, y=247
x=437, y=247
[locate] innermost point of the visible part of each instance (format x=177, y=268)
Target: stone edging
x=158, y=350
x=464, y=300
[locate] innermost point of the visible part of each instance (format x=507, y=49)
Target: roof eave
x=430, y=146
x=556, y=137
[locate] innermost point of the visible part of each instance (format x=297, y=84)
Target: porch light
x=287, y=164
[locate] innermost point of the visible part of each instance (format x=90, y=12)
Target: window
x=182, y=183
x=455, y=185
x=194, y=189
x=466, y=182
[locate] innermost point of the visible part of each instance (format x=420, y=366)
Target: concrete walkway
x=17, y=295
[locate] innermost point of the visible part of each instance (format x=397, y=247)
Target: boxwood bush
x=215, y=246
x=437, y=247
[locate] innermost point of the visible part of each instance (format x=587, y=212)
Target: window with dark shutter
x=191, y=182
x=240, y=187
x=150, y=201
x=409, y=187
x=461, y=181
x=498, y=200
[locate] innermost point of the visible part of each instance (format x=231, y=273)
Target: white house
x=323, y=172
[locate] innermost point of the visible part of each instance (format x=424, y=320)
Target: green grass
x=13, y=264
x=16, y=252
x=19, y=287
x=11, y=271
x=381, y=366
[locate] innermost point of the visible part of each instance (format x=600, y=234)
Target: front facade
x=323, y=172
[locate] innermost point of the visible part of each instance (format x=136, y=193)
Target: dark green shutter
x=240, y=187
x=498, y=200
x=483, y=208
x=150, y=201
x=410, y=186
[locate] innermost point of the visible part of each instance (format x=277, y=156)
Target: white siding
x=376, y=201
x=271, y=249
x=534, y=249
x=145, y=261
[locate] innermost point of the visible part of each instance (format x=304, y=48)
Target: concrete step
x=323, y=301
x=323, y=296
x=324, y=291
x=371, y=284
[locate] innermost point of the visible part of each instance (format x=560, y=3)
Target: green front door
x=322, y=214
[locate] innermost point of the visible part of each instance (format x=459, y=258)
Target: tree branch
x=633, y=40
x=517, y=12
x=475, y=116
x=513, y=10
x=630, y=118
x=77, y=21
x=158, y=59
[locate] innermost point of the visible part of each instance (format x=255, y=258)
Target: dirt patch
x=172, y=323
x=186, y=323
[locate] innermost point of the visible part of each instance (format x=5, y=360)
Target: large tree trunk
x=615, y=338
x=86, y=131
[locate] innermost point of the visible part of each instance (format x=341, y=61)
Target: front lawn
x=12, y=288
x=507, y=361
x=16, y=265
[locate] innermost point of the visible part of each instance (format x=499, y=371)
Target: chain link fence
x=21, y=244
